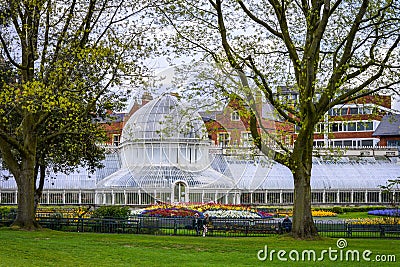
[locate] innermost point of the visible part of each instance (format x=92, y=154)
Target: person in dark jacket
x=197, y=223
x=287, y=224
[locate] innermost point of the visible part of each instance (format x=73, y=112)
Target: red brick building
x=356, y=124
x=353, y=124
x=230, y=126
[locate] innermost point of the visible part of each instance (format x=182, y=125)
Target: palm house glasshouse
x=165, y=155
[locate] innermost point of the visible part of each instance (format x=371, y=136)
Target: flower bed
x=170, y=212
x=212, y=209
x=386, y=212
x=323, y=213
x=314, y=213
x=232, y=214
x=367, y=221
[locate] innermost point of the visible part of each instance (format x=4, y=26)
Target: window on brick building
x=337, y=127
x=246, y=139
x=353, y=111
x=223, y=139
x=364, y=126
x=235, y=116
x=351, y=127
x=116, y=139
x=393, y=143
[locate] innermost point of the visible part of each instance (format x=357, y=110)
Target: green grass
x=52, y=248
x=356, y=215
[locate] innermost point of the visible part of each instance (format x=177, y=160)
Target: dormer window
x=235, y=116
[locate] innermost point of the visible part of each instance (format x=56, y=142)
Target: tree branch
x=259, y=21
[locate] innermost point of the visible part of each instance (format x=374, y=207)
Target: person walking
x=197, y=223
x=206, y=222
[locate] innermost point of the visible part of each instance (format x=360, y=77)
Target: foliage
x=7, y=212
x=116, y=212
x=71, y=59
x=337, y=210
x=390, y=188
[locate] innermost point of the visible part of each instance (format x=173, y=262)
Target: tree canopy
x=327, y=52
x=71, y=58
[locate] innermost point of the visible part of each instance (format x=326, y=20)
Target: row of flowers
x=212, y=209
x=369, y=221
x=215, y=210
x=169, y=212
x=314, y=213
x=82, y=212
x=386, y=212
x=233, y=214
x=323, y=213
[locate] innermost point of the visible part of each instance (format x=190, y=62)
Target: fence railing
x=224, y=227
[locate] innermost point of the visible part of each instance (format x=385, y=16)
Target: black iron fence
x=224, y=227
x=165, y=226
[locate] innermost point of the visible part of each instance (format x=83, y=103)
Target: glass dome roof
x=164, y=118
x=151, y=177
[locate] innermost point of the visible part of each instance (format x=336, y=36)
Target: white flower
x=232, y=214
x=136, y=212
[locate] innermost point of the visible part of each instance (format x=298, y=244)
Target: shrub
x=362, y=208
x=8, y=213
x=338, y=210
x=115, y=212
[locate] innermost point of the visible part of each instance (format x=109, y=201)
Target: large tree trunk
x=26, y=205
x=301, y=159
x=25, y=178
x=303, y=223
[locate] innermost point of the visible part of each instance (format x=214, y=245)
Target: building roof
x=164, y=118
x=152, y=177
x=112, y=117
x=209, y=115
x=389, y=126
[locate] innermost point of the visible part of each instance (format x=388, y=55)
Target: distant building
x=388, y=131
x=230, y=127
x=352, y=125
x=349, y=125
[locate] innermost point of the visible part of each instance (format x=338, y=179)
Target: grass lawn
x=52, y=248
x=356, y=215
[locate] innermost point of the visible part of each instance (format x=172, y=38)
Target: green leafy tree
x=65, y=152
x=70, y=58
x=391, y=188
x=328, y=52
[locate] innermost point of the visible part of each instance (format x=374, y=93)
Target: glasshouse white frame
x=138, y=197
